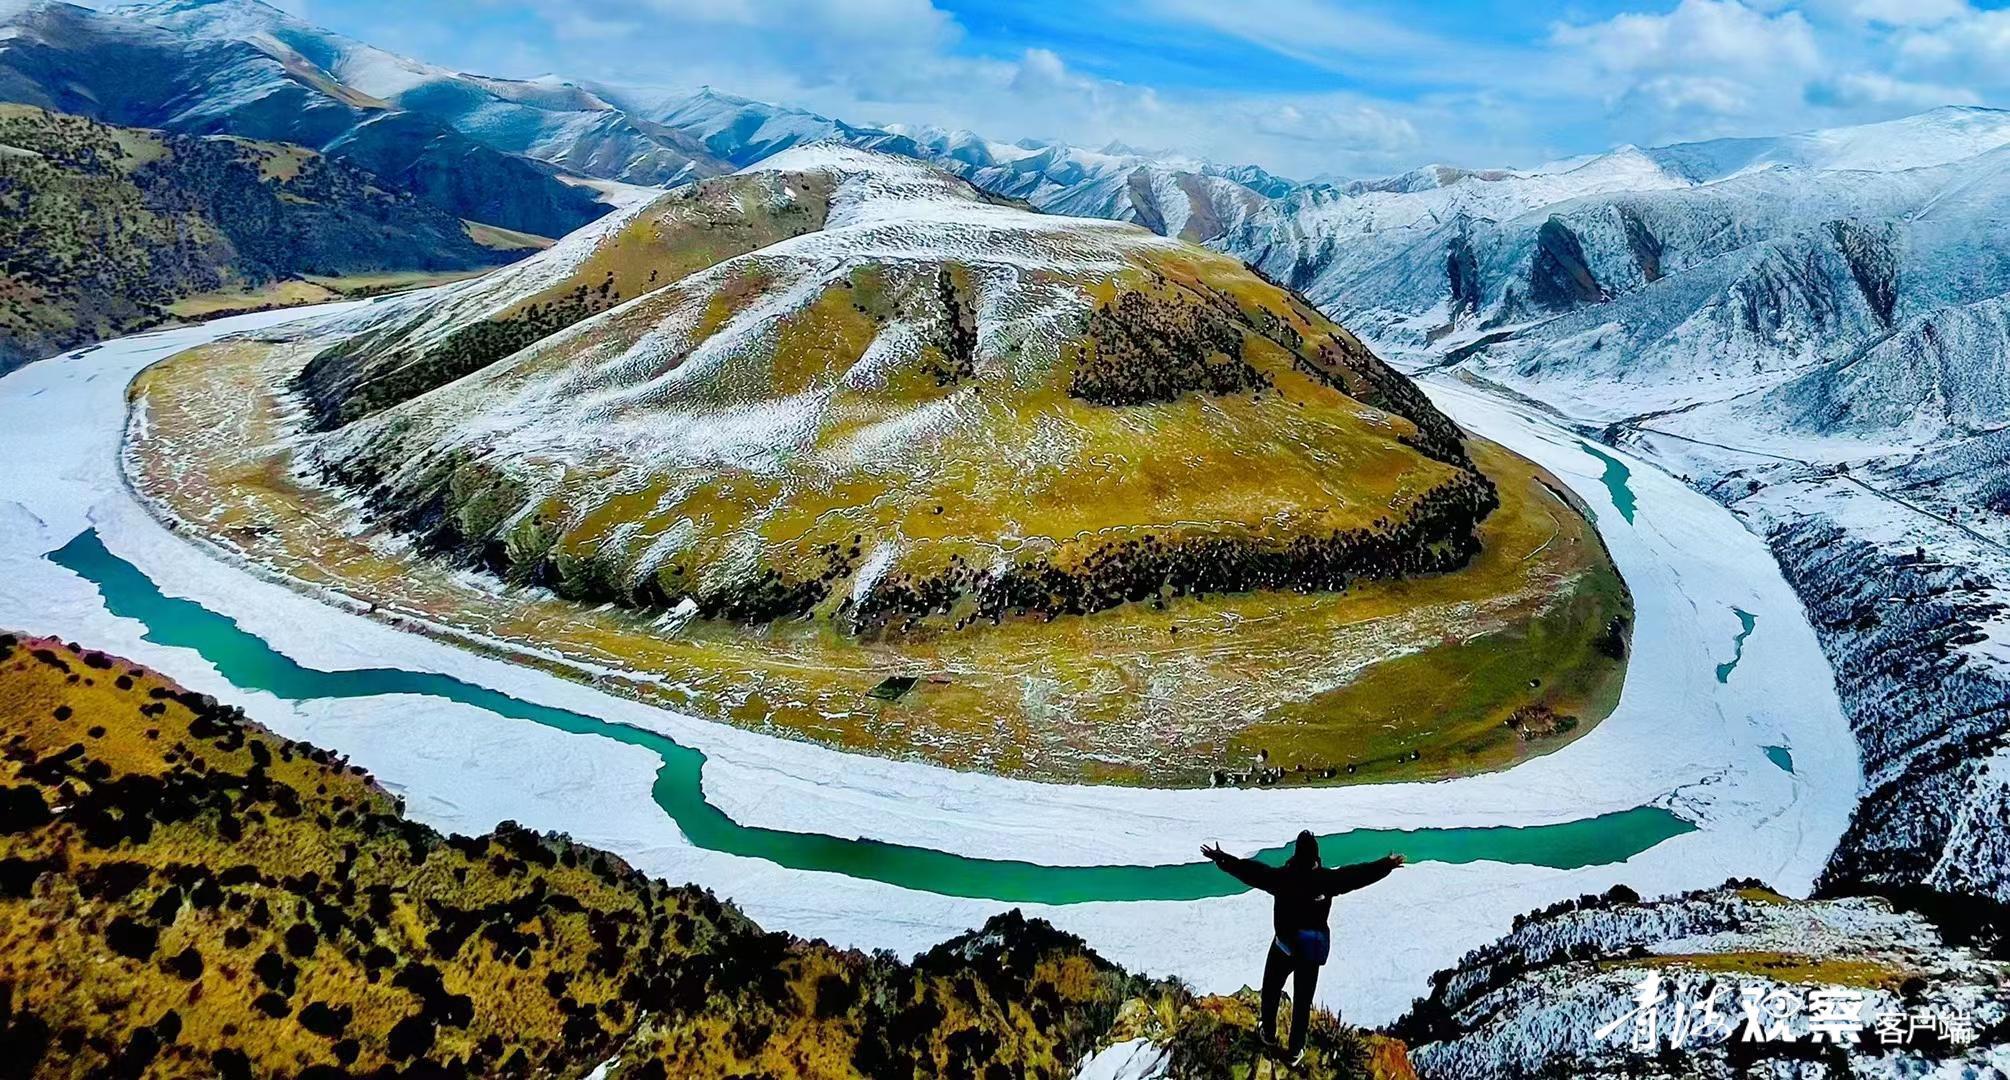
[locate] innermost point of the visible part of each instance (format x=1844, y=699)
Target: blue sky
x=1303, y=87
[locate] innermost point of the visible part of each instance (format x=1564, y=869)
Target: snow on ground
x=1135, y=1059
x=911, y=209
x=1902, y=559
x=1678, y=738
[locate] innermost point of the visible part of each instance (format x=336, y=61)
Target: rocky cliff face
x=1901, y=589
x=1931, y=721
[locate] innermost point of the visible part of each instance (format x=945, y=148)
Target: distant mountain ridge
x=247, y=68
x=105, y=229
x=1435, y=264
x=126, y=71
x=1295, y=231
x=566, y=124
x=1643, y=281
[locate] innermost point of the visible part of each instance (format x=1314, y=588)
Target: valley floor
x=309, y=290
x=1679, y=737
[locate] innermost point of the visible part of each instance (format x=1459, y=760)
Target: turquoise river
x=249, y=663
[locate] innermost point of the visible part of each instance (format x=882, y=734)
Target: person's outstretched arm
x=1345, y=879
x=1254, y=874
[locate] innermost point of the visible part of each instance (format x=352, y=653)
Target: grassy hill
x=847, y=445
x=846, y=449
x=183, y=893
x=106, y=230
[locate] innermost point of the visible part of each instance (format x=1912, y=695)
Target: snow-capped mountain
x=741, y=131
x=1166, y=193
x=1644, y=281
x=1932, y=138
x=1688, y=273
x=547, y=118
x=124, y=70
x=282, y=65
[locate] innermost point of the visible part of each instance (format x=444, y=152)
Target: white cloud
x=1711, y=68
x=1357, y=126
x=1683, y=69
x=1700, y=37
x=1707, y=94
x=1870, y=88
x=1973, y=47
x=1041, y=71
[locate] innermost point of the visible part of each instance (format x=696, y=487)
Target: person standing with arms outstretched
x=1304, y=892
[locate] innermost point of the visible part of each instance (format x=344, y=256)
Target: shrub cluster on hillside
x=1148, y=347
x=1436, y=535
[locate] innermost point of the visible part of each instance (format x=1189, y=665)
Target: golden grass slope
x=183, y=893
x=1388, y=680
x=615, y=260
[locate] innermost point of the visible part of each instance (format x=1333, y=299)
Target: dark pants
x=1304, y=972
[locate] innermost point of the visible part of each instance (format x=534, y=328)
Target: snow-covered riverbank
x=1679, y=737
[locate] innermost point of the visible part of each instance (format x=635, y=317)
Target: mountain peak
x=708, y=92
x=1963, y=110
x=11, y=10
x=206, y=10
x=894, y=184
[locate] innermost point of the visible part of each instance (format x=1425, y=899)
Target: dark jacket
x=1304, y=892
